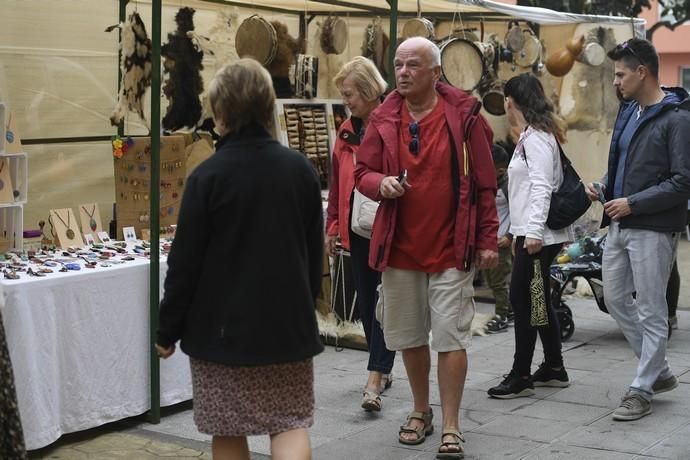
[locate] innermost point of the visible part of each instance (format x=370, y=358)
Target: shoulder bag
x=570, y=201
x=363, y=214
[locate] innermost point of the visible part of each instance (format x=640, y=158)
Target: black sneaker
x=497, y=324
x=547, y=377
x=512, y=386
x=510, y=318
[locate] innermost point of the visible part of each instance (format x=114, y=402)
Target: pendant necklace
x=70, y=232
x=2, y=183
x=9, y=135
x=92, y=221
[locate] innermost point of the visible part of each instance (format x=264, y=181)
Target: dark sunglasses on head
x=627, y=47
x=414, y=143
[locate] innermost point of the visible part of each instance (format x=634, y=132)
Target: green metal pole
x=122, y=16
x=154, y=275
x=393, y=34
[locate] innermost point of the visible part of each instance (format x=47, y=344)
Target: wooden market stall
x=58, y=77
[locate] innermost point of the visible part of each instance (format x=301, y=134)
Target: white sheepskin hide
x=330, y=326
x=329, y=66
x=218, y=48
x=135, y=63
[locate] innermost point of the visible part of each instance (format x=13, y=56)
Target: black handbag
x=570, y=201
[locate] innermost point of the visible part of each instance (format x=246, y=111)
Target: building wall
x=673, y=47
x=670, y=67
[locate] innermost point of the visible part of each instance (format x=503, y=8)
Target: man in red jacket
x=426, y=155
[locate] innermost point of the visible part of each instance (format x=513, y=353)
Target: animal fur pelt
x=219, y=49
x=331, y=326
x=219, y=45
x=135, y=63
x=183, y=66
x=279, y=68
x=329, y=66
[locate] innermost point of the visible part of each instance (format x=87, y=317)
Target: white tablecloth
x=79, y=344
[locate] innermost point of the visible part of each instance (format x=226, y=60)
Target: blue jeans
x=640, y=261
x=366, y=282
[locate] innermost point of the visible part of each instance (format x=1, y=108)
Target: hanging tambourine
x=418, y=27
x=514, y=39
x=256, y=38
x=530, y=52
x=334, y=35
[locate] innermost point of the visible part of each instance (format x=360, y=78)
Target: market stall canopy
x=409, y=8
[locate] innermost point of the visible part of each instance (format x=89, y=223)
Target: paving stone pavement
x=569, y=423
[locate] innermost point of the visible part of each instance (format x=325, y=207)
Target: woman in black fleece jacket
x=243, y=273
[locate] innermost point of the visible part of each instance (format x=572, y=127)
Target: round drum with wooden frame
x=493, y=98
x=256, y=38
x=465, y=34
x=418, y=27
x=462, y=63
x=334, y=35
x=530, y=52
x=592, y=54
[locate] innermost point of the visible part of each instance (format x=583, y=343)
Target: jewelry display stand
x=132, y=182
x=66, y=228
x=310, y=126
x=14, y=179
x=90, y=218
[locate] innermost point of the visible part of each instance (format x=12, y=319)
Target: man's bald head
x=421, y=44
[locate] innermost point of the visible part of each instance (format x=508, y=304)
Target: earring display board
x=90, y=218
x=133, y=177
x=308, y=126
x=66, y=228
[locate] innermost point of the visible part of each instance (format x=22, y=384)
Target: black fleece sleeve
x=184, y=262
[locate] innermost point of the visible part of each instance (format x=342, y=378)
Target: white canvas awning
x=409, y=7
x=486, y=9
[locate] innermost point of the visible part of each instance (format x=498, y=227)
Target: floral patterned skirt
x=11, y=435
x=247, y=401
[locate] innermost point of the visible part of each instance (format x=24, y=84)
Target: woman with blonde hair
x=250, y=333
x=534, y=173
x=361, y=87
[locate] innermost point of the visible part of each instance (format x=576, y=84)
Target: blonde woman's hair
x=365, y=76
x=241, y=93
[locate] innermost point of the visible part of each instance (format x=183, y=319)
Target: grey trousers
x=640, y=261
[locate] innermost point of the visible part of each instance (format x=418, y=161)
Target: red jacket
x=342, y=183
x=476, y=221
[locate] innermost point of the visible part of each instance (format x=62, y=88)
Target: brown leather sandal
x=421, y=432
x=371, y=401
x=453, y=449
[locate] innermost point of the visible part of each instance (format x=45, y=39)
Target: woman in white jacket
x=534, y=173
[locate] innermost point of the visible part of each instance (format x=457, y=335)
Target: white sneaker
x=633, y=406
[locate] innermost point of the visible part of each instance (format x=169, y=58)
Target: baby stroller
x=588, y=266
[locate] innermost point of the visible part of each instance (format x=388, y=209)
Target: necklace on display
x=69, y=232
x=92, y=221
x=9, y=135
x=2, y=183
